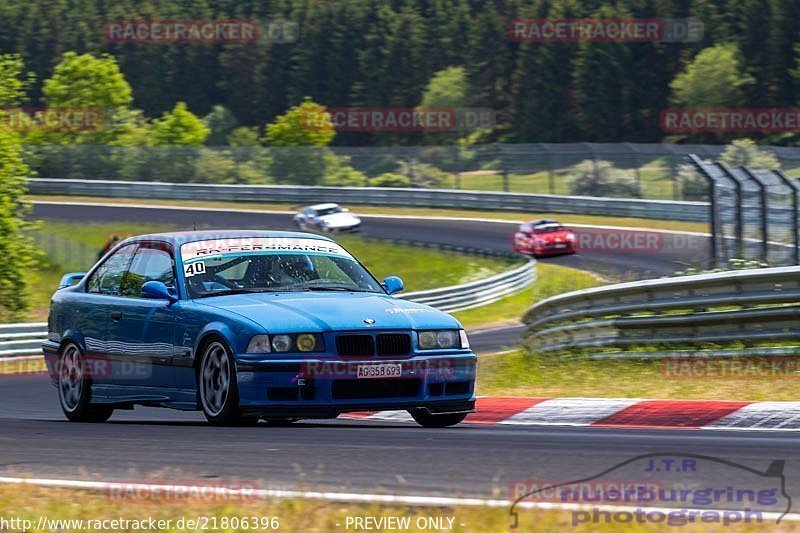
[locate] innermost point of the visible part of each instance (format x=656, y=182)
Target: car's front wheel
x=429, y=420
x=75, y=388
x=219, y=393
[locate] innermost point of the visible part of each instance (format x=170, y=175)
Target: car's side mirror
x=393, y=284
x=68, y=280
x=157, y=290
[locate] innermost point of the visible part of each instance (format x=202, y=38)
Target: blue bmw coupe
x=250, y=325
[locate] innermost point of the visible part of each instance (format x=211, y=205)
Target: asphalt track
x=351, y=455
x=348, y=455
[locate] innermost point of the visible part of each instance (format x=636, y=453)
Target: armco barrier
x=25, y=339
x=22, y=339
x=629, y=319
x=477, y=293
x=541, y=203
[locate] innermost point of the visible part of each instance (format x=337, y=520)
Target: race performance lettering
x=192, y=252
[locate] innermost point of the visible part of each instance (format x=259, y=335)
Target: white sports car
x=327, y=218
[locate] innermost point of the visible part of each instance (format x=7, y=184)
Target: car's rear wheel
x=75, y=388
x=428, y=420
x=216, y=380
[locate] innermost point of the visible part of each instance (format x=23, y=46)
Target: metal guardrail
x=380, y=196
x=478, y=293
x=18, y=340
x=22, y=339
x=629, y=319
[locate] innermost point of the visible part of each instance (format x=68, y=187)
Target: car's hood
x=295, y=312
x=340, y=219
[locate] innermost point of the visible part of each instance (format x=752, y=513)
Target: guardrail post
x=795, y=223
x=712, y=199
x=739, y=211
x=762, y=191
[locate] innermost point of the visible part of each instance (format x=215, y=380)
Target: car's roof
x=323, y=206
x=542, y=221
x=181, y=237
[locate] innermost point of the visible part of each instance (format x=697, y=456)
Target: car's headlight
x=303, y=342
x=442, y=339
x=306, y=342
x=281, y=343
x=259, y=344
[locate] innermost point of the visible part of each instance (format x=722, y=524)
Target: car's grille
x=394, y=344
x=355, y=345
x=362, y=389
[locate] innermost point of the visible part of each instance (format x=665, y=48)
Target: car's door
x=142, y=330
x=91, y=314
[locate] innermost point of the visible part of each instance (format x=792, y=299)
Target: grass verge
x=522, y=374
x=551, y=280
x=35, y=503
x=564, y=218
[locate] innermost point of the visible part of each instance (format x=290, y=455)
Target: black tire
x=217, y=387
x=427, y=420
x=75, y=388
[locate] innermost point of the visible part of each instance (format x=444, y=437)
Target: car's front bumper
x=345, y=229
x=322, y=387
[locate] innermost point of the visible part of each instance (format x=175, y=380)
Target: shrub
x=601, y=178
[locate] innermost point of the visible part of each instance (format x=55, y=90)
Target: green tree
x=18, y=252
x=307, y=124
x=447, y=88
x=299, y=155
x=244, y=136
x=713, y=79
x=179, y=127
x=87, y=81
x=14, y=81
x=221, y=122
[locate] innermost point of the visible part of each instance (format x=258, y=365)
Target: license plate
x=379, y=371
x=561, y=246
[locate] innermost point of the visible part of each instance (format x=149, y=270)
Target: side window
x=150, y=264
x=107, y=279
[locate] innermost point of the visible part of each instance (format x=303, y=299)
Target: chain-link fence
x=754, y=214
x=624, y=170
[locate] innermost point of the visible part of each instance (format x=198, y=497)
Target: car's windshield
x=329, y=211
x=548, y=228
x=231, y=266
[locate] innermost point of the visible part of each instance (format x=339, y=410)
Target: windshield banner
x=201, y=250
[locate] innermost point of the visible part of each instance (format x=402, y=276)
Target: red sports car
x=544, y=237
